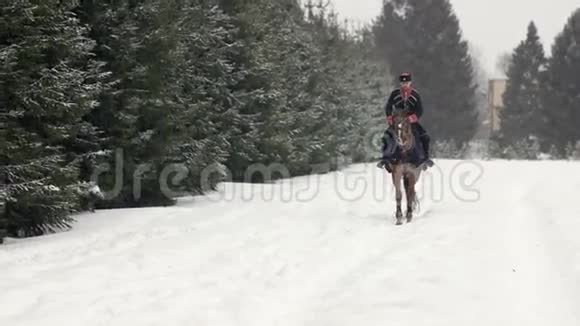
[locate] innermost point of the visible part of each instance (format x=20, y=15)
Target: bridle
x=403, y=131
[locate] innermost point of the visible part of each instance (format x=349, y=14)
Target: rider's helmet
x=405, y=79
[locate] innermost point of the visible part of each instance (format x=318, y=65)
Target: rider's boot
x=385, y=164
x=427, y=162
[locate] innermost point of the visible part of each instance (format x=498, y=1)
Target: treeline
x=542, y=99
x=140, y=85
x=117, y=95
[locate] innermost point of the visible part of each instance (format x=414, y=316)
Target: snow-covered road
x=496, y=243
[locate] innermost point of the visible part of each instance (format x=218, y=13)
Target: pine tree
x=424, y=37
x=203, y=84
x=368, y=81
x=176, y=97
x=561, y=96
x=265, y=31
x=391, y=39
x=303, y=119
x=312, y=77
x=294, y=60
x=332, y=90
x=218, y=106
x=136, y=40
x=48, y=84
x=522, y=116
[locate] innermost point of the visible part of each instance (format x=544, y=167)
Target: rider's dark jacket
x=413, y=103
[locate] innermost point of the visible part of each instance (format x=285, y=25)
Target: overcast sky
x=492, y=26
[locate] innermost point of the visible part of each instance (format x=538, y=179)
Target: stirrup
x=385, y=165
x=428, y=163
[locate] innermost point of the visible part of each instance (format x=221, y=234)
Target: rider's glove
x=390, y=120
x=413, y=118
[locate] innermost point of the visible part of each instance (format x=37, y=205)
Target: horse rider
x=407, y=98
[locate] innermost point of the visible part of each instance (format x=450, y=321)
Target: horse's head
x=403, y=131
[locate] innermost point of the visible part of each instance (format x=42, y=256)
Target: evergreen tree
x=303, y=99
x=268, y=32
x=561, y=96
x=203, y=84
x=331, y=87
x=136, y=40
x=368, y=81
x=424, y=37
x=218, y=106
x=522, y=116
x=48, y=84
x=176, y=96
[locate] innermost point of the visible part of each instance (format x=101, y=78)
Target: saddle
x=393, y=153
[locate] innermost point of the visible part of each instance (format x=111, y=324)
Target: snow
x=496, y=243
x=95, y=190
x=52, y=188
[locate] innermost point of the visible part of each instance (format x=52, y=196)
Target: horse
x=402, y=168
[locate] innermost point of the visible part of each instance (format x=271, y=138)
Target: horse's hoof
x=399, y=222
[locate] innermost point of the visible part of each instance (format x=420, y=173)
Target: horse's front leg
x=410, y=181
x=397, y=176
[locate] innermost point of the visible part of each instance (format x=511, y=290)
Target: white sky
x=492, y=26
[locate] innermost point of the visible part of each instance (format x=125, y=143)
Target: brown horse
x=402, y=170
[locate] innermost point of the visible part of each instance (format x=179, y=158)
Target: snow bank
x=496, y=243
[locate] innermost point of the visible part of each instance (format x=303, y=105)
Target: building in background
x=496, y=89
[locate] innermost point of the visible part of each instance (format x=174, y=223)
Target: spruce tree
x=368, y=80
x=522, y=116
x=561, y=96
x=314, y=84
x=218, y=106
x=262, y=32
x=136, y=39
x=48, y=84
x=333, y=91
x=176, y=97
x=424, y=38
x=288, y=77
